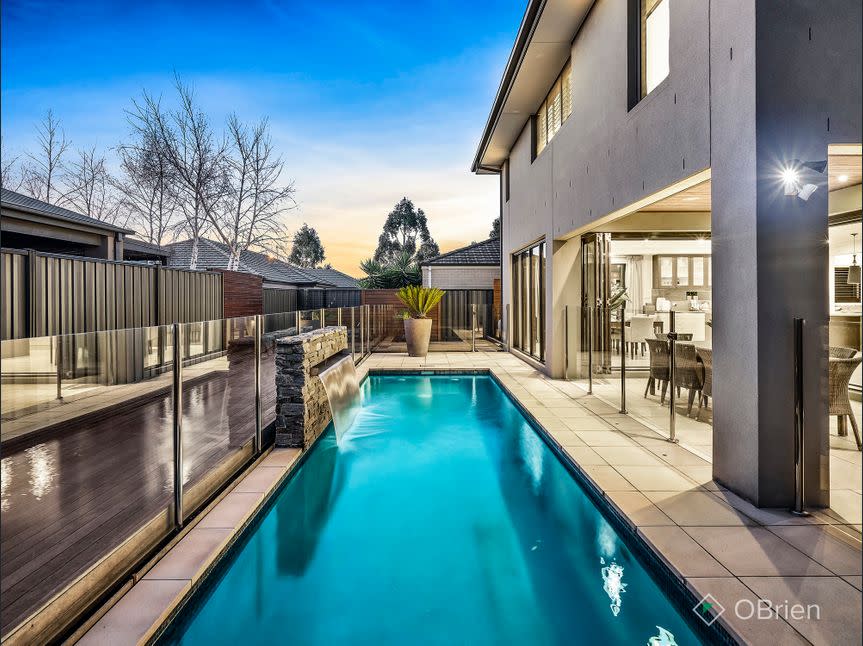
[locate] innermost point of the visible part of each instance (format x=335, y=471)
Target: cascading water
x=343, y=392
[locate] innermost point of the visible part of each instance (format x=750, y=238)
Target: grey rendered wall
x=457, y=277
x=605, y=157
x=791, y=87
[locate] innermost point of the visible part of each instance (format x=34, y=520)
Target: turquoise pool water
x=442, y=519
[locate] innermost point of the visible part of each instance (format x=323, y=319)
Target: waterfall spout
x=343, y=392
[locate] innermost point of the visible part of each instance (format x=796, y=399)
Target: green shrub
x=420, y=300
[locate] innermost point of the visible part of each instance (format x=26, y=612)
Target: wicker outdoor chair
x=840, y=405
x=706, y=357
x=685, y=371
x=658, y=367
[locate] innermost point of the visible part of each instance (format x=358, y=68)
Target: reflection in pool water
x=440, y=519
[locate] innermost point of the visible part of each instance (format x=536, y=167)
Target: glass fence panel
x=218, y=404
x=309, y=320
x=87, y=456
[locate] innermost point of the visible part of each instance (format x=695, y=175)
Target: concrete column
x=784, y=84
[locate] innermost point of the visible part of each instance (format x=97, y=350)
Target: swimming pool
x=443, y=518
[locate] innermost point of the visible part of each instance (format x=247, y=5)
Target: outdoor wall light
x=791, y=178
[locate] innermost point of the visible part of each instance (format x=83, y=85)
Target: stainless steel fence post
x=59, y=367
x=339, y=317
x=623, y=359
x=799, y=422
x=297, y=321
x=589, y=350
x=566, y=342
x=505, y=333
x=178, y=425
x=353, y=333
x=473, y=328
x=368, y=310
x=672, y=340
x=323, y=317
x=259, y=444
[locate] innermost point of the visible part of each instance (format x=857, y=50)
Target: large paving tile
x=681, y=552
x=605, y=438
x=586, y=424
x=133, y=617
x=232, y=510
x=697, y=508
x=627, y=456
x=281, y=458
x=755, y=551
x=638, y=509
x=856, y=581
x=768, y=516
x=830, y=611
x=729, y=591
x=702, y=475
x=260, y=480
x=656, y=478
x=846, y=506
x=584, y=456
x=826, y=544
x=607, y=478
x=188, y=558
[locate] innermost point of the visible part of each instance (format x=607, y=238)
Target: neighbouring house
x=677, y=151
x=135, y=250
x=286, y=287
x=28, y=223
x=476, y=266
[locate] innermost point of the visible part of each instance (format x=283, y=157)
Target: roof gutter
x=516, y=56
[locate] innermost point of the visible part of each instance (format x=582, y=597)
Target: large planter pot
x=417, y=336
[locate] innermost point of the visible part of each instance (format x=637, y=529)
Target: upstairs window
x=554, y=110
x=649, y=38
x=656, y=31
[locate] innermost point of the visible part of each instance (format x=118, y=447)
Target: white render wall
x=605, y=157
x=460, y=276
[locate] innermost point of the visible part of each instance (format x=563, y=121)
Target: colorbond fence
x=48, y=294
x=288, y=300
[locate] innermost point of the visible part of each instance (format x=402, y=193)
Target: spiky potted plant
x=419, y=301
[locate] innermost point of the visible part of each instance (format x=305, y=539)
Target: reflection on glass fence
x=89, y=428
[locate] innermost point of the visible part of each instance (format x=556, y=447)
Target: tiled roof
x=11, y=199
x=484, y=253
x=215, y=255
x=142, y=246
x=334, y=277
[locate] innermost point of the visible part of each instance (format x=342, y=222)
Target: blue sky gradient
x=367, y=101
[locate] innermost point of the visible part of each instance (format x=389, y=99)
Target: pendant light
x=854, y=269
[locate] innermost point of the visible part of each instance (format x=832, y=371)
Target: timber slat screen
x=47, y=294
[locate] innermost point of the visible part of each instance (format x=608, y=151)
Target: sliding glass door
x=528, y=280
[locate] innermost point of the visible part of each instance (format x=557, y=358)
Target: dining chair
x=685, y=374
x=840, y=372
x=658, y=350
x=705, y=357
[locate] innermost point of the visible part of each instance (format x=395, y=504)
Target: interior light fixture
x=854, y=269
x=842, y=178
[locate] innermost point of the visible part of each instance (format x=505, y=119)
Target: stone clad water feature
x=343, y=392
x=302, y=406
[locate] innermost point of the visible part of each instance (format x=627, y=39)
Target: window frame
x=528, y=279
x=637, y=16
x=553, y=112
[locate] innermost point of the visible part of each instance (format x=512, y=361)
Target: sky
x=367, y=101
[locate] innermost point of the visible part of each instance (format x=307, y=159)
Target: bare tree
x=42, y=175
x=90, y=188
x=257, y=199
x=148, y=188
x=185, y=139
x=10, y=175
x=229, y=185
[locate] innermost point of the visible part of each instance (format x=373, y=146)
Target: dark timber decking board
x=70, y=499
